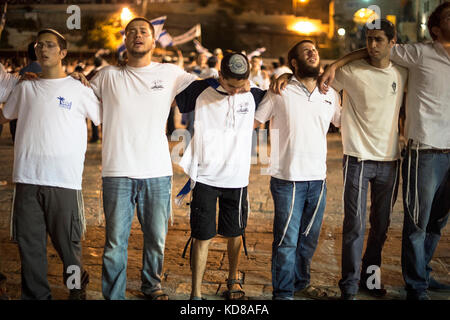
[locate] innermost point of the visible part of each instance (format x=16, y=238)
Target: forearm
x=256, y=124
x=352, y=56
x=3, y=120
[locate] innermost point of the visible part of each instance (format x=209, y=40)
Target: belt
x=434, y=150
x=412, y=145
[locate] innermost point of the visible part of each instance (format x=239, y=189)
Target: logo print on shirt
x=157, y=85
x=243, y=108
x=394, y=86
x=64, y=104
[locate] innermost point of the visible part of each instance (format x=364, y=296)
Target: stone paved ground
x=325, y=267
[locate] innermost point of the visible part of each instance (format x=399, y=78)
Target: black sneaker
x=348, y=296
x=377, y=293
x=417, y=296
x=80, y=294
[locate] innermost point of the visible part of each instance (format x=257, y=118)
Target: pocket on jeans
x=280, y=182
x=75, y=229
x=280, y=187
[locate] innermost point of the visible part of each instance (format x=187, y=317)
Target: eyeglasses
x=48, y=45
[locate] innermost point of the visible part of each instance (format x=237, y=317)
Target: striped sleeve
x=187, y=98
x=258, y=95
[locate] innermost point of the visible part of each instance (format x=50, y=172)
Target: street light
x=364, y=15
x=341, y=32
x=304, y=27
x=126, y=16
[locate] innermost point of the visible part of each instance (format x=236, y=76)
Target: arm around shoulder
x=3, y=120
x=327, y=78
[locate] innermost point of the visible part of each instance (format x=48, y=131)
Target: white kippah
x=238, y=64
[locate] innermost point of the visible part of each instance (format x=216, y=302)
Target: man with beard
x=136, y=163
x=426, y=166
x=370, y=139
x=301, y=116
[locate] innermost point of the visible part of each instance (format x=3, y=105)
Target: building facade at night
x=228, y=24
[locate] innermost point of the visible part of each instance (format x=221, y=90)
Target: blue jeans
x=151, y=197
x=423, y=219
x=299, y=208
x=383, y=179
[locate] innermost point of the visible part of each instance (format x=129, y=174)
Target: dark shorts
x=232, y=221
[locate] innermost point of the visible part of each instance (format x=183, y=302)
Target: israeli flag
x=201, y=49
x=190, y=184
x=165, y=40
x=158, y=24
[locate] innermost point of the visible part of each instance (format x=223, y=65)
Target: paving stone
x=325, y=266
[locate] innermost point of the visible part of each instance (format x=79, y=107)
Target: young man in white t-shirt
x=373, y=95
x=426, y=164
x=218, y=161
x=136, y=163
x=301, y=116
x=48, y=167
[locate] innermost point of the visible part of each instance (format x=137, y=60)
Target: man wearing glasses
x=48, y=167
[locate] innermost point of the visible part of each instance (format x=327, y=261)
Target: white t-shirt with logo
x=136, y=105
x=371, y=105
x=51, y=135
x=299, y=126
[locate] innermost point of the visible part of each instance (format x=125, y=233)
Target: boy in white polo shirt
x=136, y=163
x=218, y=162
x=48, y=167
x=301, y=115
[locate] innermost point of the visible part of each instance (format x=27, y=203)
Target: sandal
x=157, y=295
x=236, y=294
x=314, y=293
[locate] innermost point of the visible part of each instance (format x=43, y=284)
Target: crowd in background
x=203, y=64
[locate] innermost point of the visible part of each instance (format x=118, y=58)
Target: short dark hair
x=152, y=28
x=98, y=61
x=62, y=42
x=385, y=25
x=293, y=53
x=31, y=53
x=231, y=62
x=212, y=61
x=435, y=18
